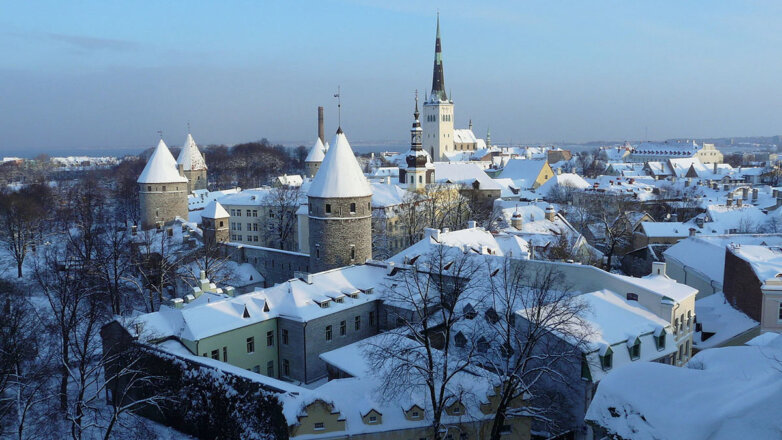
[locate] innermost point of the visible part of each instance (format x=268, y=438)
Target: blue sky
x=110, y=74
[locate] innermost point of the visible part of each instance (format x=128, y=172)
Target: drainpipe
x=304, y=334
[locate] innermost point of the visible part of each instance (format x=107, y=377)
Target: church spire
x=438, y=79
x=415, y=132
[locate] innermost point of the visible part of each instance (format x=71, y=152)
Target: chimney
x=754, y=195
x=658, y=268
x=390, y=268
x=745, y=193
x=177, y=303
x=517, y=221
x=432, y=232
x=739, y=203
x=692, y=232
x=550, y=213
x=715, y=167
x=472, y=224
x=699, y=221
x=321, y=133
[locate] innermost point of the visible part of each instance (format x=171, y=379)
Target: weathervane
x=338, y=95
x=160, y=132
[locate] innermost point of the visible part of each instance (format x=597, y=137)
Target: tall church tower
x=438, y=110
x=340, y=210
x=420, y=170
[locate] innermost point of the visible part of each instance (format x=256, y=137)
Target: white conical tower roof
x=317, y=152
x=340, y=174
x=161, y=167
x=214, y=210
x=190, y=158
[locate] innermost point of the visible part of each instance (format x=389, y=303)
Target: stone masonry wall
x=158, y=205
x=332, y=234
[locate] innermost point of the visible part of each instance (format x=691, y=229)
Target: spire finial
x=416, y=104
x=338, y=95
x=188, y=127
x=160, y=132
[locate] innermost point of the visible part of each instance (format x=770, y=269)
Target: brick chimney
x=321, y=132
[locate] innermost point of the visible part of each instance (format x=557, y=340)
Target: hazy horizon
x=104, y=76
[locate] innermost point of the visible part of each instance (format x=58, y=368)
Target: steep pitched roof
x=340, y=174
x=214, y=210
x=317, y=152
x=190, y=158
x=161, y=167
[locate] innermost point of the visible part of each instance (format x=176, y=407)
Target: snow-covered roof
x=666, y=149
x=340, y=174
x=523, y=169
x=161, y=167
x=475, y=239
x=385, y=195
x=722, y=320
x=464, y=136
x=565, y=180
x=190, y=158
x=464, y=173
x=214, y=210
x=722, y=393
x=766, y=261
x=317, y=152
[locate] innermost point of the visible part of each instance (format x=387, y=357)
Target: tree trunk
x=19, y=269
x=64, y=374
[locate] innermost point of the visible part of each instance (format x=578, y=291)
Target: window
x=239, y=238
x=372, y=419
x=660, y=340
x=317, y=251
x=255, y=227
x=257, y=369
x=249, y=226
x=286, y=368
x=149, y=188
x=635, y=350
x=328, y=332
x=248, y=212
x=632, y=297
x=285, y=336
x=270, y=368
x=164, y=187
x=328, y=208
x=352, y=252
x=352, y=208
x=372, y=316
x=415, y=414
x=216, y=354
x=251, y=345
x=779, y=313
x=357, y=323
x=607, y=359
x=319, y=426
x=269, y=338
x=343, y=328
x=689, y=319
x=676, y=326
x=238, y=212
x=225, y=354
x=238, y=226
x=255, y=213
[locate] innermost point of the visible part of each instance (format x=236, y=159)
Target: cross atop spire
x=438, y=78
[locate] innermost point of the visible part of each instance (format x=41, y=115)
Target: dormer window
x=635, y=349
x=607, y=359
x=659, y=340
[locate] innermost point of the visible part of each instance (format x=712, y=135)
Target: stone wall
x=333, y=234
x=275, y=265
x=196, y=179
x=162, y=203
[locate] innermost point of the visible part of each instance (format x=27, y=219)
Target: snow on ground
x=723, y=393
x=717, y=316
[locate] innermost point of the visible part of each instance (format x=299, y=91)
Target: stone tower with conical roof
x=420, y=170
x=162, y=189
x=214, y=223
x=314, y=158
x=340, y=210
x=438, y=110
x=192, y=165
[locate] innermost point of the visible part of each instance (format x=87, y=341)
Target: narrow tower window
x=352, y=208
